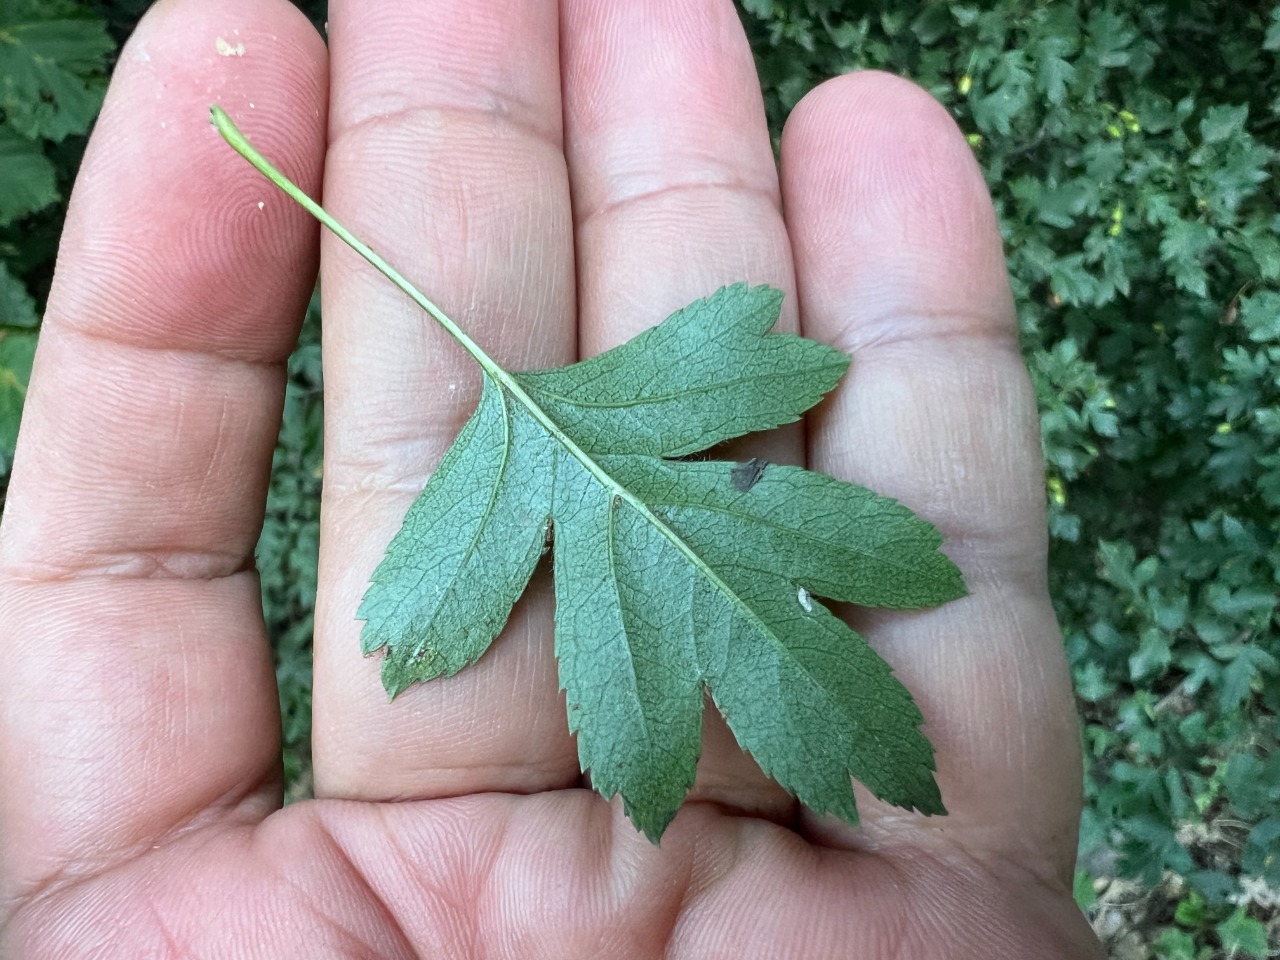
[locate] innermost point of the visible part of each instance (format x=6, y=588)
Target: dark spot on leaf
x=747, y=475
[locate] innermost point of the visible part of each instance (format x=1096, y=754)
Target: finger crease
x=134, y=565
x=505, y=113
x=924, y=327
x=64, y=324
x=243, y=803
x=614, y=204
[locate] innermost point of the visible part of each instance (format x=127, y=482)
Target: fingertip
x=877, y=117
x=139, y=483
x=171, y=240
x=880, y=184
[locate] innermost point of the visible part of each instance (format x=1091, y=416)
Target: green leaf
x=1260, y=315
x=28, y=177
x=1191, y=910
x=1174, y=944
x=932, y=23
x=16, y=352
x=1260, y=857
x=1009, y=87
x=1222, y=122
x=1253, y=784
x=672, y=579
x=1271, y=40
x=1243, y=934
x=1185, y=246
x=53, y=59
x=17, y=309
x=1083, y=891
x=1054, y=76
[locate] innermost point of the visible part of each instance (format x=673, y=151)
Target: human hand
x=556, y=177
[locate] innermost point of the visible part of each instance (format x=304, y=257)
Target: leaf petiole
x=231, y=133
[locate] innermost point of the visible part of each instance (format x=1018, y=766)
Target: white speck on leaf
x=803, y=596
x=261, y=204
x=227, y=50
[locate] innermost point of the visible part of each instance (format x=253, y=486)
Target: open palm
x=558, y=176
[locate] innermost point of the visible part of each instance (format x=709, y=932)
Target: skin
x=557, y=177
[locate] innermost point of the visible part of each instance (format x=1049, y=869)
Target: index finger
x=135, y=671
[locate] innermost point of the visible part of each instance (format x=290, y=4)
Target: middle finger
x=675, y=194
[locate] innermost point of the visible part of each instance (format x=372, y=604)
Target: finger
x=445, y=154
x=899, y=262
x=135, y=672
x=675, y=194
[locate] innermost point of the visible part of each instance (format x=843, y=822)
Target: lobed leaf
x=673, y=579
x=666, y=585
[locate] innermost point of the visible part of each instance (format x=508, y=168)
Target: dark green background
x=1131, y=148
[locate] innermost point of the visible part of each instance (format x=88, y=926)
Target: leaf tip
x=394, y=680
x=846, y=808
x=371, y=638
x=768, y=295
x=928, y=799
x=948, y=578
x=756, y=308
x=649, y=820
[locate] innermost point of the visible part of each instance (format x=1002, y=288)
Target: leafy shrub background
x=1131, y=148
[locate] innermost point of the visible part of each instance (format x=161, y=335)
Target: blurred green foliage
x=53, y=72
x=1131, y=148
x=290, y=545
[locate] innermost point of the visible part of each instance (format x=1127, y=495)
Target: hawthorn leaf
x=674, y=580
